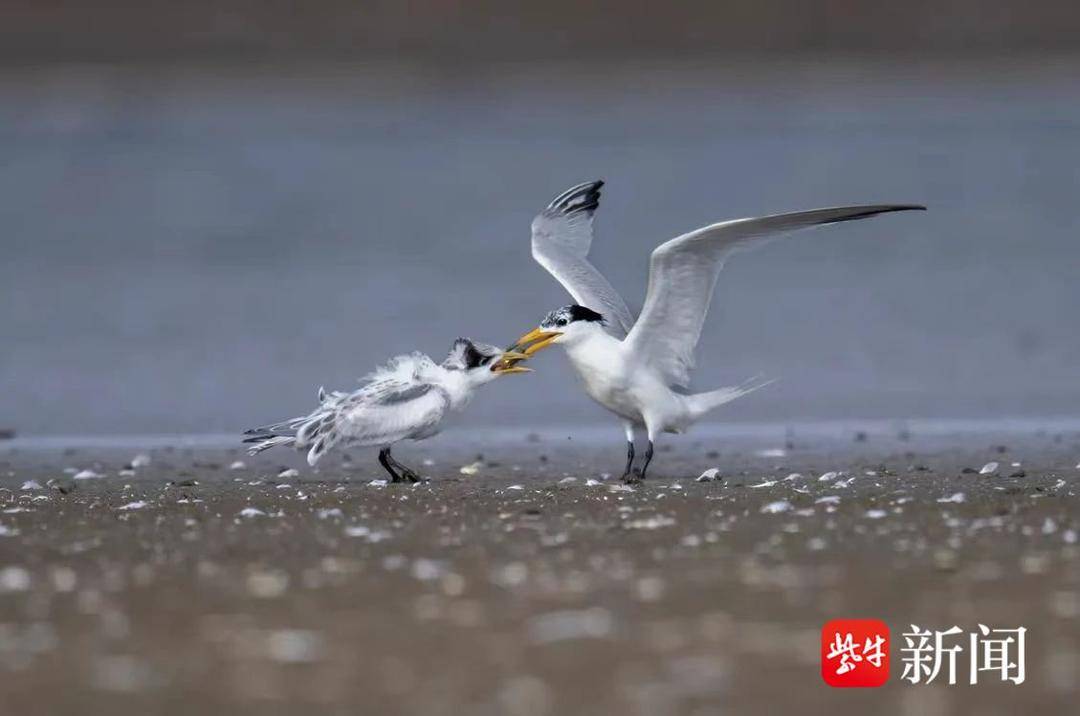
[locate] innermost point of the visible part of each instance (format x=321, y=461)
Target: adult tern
x=640, y=369
x=407, y=399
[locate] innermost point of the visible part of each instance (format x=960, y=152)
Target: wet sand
x=193, y=585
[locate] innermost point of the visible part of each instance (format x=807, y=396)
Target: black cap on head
x=571, y=314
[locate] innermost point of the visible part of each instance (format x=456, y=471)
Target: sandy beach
x=526, y=580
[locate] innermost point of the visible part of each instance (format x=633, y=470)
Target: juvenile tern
x=407, y=399
x=640, y=370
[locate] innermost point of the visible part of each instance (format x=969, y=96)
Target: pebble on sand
x=957, y=498
x=650, y=523
x=472, y=468
x=776, y=507
x=989, y=468
x=363, y=532
x=294, y=646
x=649, y=589
x=14, y=579
x=267, y=585
x=87, y=475
x=709, y=475
x=592, y=623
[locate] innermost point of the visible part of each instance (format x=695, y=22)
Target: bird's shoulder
x=402, y=379
x=389, y=393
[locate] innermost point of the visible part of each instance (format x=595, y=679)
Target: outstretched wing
x=561, y=236
x=683, y=273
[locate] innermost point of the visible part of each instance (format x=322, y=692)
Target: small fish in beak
x=539, y=340
x=508, y=363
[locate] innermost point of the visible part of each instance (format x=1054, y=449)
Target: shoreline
x=529, y=578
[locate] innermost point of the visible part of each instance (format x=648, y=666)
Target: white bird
x=640, y=369
x=407, y=399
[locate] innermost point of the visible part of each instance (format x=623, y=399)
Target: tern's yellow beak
x=508, y=363
x=539, y=338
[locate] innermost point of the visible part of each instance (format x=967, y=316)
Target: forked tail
x=702, y=403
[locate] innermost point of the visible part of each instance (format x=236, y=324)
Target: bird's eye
x=560, y=322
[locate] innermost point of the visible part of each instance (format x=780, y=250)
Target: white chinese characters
x=993, y=654
x=928, y=653
x=851, y=653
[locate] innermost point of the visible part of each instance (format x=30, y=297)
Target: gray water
x=198, y=250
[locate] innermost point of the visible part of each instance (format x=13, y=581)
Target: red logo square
x=855, y=652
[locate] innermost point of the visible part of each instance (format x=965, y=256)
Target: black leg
x=648, y=459
x=406, y=473
x=629, y=460
x=384, y=455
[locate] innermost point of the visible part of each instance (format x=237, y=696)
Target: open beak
x=508, y=363
x=539, y=340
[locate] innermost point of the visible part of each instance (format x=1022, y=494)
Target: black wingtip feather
x=583, y=198
x=875, y=211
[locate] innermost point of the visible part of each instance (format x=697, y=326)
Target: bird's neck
x=599, y=348
x=457, y=387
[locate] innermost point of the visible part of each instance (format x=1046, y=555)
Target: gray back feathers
x=398, y=401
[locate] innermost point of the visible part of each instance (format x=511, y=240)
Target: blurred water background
x=197, y=229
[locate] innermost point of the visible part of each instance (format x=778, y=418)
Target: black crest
x=571, y=314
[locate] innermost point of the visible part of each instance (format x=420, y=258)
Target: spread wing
x=683, y=272
x=561, y=236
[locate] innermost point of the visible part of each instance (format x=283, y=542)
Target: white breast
x=625, y=386
x=604, y=372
